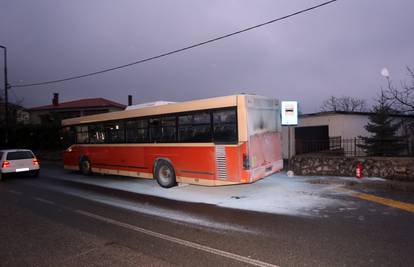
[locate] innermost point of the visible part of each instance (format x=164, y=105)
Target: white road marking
x=15, y=192
x=178, y=240
x=44, y=200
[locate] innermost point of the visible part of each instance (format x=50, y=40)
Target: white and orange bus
x=216, y=141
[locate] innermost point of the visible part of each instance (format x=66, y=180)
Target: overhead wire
x=175, y=51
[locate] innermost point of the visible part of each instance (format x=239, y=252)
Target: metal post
x=355, y=147
x=6, y=97
x=288, y=148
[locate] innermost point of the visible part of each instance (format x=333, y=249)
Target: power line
x=177, y=50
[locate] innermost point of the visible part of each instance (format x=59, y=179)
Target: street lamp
x=6, y=96
x=385, y=73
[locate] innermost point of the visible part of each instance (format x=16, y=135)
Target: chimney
x=129, y=100
x=55, y=100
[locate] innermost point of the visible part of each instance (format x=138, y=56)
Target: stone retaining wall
x=386, y=167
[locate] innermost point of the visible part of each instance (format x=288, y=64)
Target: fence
x=354, y=147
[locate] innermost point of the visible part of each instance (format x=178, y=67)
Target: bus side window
x=82, y=136
x=115, y=132
x=155, y=131
x=194, y=128
x=137, y=131
x=97, y=134
x=168, y=129
x=225, y=126
x=162, y=129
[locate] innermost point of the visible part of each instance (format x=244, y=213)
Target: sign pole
x=289, y=118
x=288, y=168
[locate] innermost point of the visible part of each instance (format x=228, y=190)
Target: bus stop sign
x=289, y=113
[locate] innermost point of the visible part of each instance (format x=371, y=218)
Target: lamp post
x=386, y=74
x=6, y=96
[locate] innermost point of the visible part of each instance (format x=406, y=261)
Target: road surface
x=48, y=221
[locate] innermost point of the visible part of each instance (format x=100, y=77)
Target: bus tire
x=165, y=174
x=85, y=166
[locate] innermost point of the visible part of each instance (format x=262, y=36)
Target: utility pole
x=6, y=97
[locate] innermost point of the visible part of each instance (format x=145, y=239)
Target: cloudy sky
x=337, y=50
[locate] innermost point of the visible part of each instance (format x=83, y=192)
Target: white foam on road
x=277, y=194
x=147, y=208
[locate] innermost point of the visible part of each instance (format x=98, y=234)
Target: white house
x=328, y=125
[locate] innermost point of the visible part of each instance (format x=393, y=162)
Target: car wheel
x=1, y=176
x=85, y=166
x=165, y=174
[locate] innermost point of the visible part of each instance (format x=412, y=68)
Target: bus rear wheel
x=165, y=174
x=85, y=166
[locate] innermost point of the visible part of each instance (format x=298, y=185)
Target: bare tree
x=403, y=98
x=344, y=103
x=13, y=109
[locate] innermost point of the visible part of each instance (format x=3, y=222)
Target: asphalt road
x=50, y=222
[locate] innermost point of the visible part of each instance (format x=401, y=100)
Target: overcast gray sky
x=337, y=50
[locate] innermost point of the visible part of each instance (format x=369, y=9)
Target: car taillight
x=246, y=163
x=35, y=162
x=5, y=164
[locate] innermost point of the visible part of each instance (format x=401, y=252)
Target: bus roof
x=200, y=104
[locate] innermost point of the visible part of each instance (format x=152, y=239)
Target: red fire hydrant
x=359, y=169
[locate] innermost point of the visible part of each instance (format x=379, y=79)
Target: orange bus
x=216, y=141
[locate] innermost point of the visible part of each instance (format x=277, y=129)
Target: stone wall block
x=386, y=167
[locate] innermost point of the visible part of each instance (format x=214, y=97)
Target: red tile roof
x=81, y=103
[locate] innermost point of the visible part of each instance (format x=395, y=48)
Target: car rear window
x=19, y=155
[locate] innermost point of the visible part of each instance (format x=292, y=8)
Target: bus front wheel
x=85, y=166
x=165, y=174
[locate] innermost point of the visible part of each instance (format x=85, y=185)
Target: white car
x=18, y=161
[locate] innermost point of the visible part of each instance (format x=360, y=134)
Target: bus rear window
x=19, y=155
